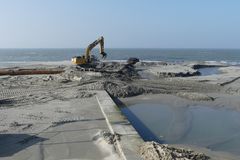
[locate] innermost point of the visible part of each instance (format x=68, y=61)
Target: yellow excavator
x=88, y=59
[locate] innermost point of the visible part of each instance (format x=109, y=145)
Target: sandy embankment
x=32, y=104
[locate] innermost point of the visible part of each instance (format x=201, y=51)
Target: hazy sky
x=123, y=23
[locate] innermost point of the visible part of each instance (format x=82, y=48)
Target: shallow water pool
x=209, y=71
x=216, y=129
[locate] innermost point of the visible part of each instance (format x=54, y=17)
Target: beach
x=119, y=80
x=57, y=116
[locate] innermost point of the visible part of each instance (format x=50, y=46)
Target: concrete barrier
x=130, y=140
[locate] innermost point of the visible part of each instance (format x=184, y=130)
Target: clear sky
x=123, y=23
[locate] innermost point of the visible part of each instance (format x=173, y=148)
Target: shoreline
x=68, y=63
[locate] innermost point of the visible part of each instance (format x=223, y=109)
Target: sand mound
x=155, y=151
x=105, y=141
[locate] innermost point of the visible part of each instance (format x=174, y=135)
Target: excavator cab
x=87, y=59
x=79, y=60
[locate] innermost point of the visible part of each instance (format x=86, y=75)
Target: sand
x=57, y=116
x=49, y=117
x=55, y=130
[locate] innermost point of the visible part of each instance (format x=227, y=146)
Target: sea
x=14, y=57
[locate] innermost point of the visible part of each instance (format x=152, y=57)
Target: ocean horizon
x=20, y=55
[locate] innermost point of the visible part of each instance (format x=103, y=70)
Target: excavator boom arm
x=94, y=44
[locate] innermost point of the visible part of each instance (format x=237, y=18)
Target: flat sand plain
x=57, y=116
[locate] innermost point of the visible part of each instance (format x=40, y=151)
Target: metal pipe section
x=14, y=72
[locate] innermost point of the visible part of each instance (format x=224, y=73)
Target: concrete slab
x=71, y=139
x=73, y=135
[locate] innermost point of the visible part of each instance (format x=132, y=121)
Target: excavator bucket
x=104, y=55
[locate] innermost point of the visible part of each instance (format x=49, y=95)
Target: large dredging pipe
x=29, y=71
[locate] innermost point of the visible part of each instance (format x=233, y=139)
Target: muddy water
x=216, y=129
x=209, y=71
